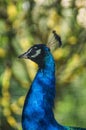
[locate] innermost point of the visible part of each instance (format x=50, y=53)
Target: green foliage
x=24, y=23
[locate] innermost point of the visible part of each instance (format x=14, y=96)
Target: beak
x=24, y=55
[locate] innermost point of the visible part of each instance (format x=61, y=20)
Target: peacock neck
x=40, y=98
x=44, y=84
x=49, y=66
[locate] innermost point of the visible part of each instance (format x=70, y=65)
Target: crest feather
x=54, y=41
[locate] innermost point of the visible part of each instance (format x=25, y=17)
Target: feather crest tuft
x=54, y=41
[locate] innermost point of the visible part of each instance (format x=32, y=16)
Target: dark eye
x=33, y=51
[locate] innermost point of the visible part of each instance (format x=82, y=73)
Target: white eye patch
x=30, y=50
x=37, y=53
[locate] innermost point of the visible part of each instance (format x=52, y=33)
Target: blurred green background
x=24, y=23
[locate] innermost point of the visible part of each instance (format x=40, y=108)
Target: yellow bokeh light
x=6, y=112
x=16, y=24
x=2, y=53
x=25, y=43
x=53, y=18
x=11, y=11
x=72, y=40
x=12, y=121
x=6, y=94
x=58, y=53
x=15, y=108
x=20, y=101
x=6, y=78
x=5, y=102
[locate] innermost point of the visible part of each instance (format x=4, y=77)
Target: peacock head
x=39, y=52
x=36, y=53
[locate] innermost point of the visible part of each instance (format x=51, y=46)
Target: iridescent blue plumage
x=37, y=112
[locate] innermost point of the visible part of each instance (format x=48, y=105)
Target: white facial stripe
x=37, y=53
x=30, y=50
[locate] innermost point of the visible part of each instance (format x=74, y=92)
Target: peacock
x=38, y=106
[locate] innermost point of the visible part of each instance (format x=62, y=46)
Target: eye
x=35, y=53
x=33, y=50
